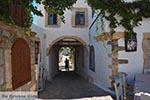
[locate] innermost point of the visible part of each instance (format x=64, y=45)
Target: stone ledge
x=11, y=27
x=14, y=28
x=108, y=36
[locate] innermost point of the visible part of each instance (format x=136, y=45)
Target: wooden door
x=21, y=67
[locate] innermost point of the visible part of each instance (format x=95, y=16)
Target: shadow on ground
x=69, y=85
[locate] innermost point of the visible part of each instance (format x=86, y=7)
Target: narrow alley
x=69, y=85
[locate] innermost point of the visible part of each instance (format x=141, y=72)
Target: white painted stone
x=1, y=57
x=1, y=75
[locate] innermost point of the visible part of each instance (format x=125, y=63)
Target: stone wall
x=1, y=67
x=113, y=41
x=8, y=35
x=145, y=47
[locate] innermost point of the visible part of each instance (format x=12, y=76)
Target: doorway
x=21, y=66
x=66, y=54
x=72, y=48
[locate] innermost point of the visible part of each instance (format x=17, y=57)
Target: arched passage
x=80, y=55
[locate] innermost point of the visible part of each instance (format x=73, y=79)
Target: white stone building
x=54, y=34
x=92, y=60
x=119, y=60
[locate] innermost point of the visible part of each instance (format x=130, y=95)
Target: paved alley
x=68, y=85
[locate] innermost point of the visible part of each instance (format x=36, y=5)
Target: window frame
x=37, y=51
x=92, y=58
x=54, y=20
x=73, y=17
x=78, y=18
x=57, y=25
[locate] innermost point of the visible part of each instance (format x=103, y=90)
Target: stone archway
x=80, y=55
x=66, y=37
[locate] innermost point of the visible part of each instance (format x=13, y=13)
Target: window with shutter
x=92, y=58
x=36, y=51
x=80, y=18
x=52, y=19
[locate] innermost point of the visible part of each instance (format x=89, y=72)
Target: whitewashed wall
x=52, y=69
x=64, y=30
x=40, y=33
x=82, y=69
x=102, y=71
x=135, y=64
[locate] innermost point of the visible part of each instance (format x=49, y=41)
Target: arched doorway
x=79, y=53
x=21, y=67
x=74, y=49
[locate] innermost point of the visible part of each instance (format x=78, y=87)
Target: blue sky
x=34, y=16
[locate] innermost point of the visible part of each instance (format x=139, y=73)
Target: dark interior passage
x=69, y=85
x=72, y=50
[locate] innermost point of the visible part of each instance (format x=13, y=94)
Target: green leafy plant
x=130, y=13
x=100, y=22
x=54, y=6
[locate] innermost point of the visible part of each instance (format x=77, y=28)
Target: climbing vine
x=122, y=13
x=100, y=22
x=118, y=12
x=54, y=6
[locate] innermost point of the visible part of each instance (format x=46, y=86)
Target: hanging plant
x=130, y=13
x=100, y=36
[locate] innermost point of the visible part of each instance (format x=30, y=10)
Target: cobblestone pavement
x=68, y=85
